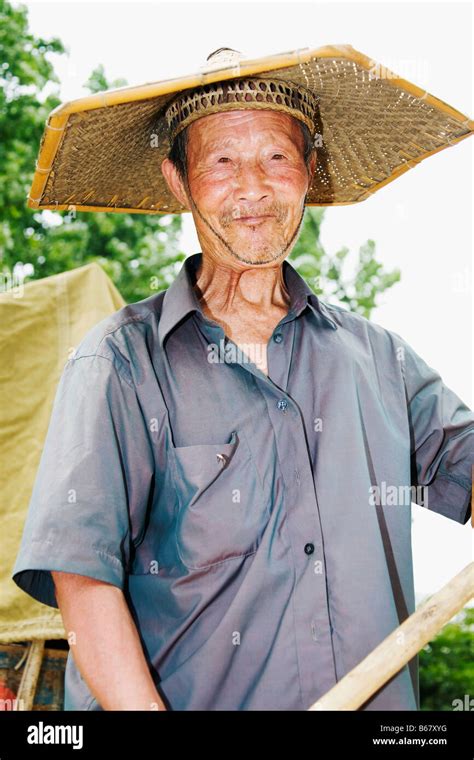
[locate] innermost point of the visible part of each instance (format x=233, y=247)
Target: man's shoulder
x=362, y=329
x=114, y=335
x=354, y=321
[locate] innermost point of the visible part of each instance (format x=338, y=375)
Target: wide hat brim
x=104, y=152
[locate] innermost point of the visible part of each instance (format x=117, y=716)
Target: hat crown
x=221, y=58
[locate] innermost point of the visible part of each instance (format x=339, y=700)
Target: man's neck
x=247, y=303
x=225, y=291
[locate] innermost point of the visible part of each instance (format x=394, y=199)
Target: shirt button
x=278, y=337
x=309, y=548
x=282, y=404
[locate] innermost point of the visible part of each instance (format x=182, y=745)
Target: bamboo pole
x=29, y=680
x=400, y=646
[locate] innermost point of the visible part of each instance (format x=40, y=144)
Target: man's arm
x=442, y=438
x=107, y=648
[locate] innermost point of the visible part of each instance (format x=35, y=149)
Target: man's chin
x=253, y=254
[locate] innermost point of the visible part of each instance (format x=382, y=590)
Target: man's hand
x=105, y=643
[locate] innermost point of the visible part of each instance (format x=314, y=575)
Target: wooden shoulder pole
x=400, y=646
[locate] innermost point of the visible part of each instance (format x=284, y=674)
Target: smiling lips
x=253, y=220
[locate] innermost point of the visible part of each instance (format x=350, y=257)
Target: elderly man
x=212, y=500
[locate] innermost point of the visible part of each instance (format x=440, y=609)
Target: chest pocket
x=221, y=506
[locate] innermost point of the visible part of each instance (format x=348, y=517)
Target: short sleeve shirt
x=259, y=526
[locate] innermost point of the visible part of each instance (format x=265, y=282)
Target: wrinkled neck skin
x=247, y=301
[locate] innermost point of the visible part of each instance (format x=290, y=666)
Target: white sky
x=421, y=222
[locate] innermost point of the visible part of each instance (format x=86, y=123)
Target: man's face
x=248, y=180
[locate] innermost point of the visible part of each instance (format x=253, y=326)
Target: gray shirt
x=260, y=527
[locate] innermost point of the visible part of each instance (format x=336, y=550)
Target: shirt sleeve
x=442, y=439
x=91, y=491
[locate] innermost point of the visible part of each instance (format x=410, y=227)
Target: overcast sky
x=421, y=222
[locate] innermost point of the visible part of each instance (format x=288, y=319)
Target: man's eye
x=223, y=158
x=278, y=155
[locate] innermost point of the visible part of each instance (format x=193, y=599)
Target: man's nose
x=252, y=183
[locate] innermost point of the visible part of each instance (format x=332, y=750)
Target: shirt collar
x=180, y=298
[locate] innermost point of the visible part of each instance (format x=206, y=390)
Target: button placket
x=311, y=608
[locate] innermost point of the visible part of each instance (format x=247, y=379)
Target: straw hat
x=104, y=152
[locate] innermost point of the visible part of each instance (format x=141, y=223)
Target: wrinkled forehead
x=237, y=127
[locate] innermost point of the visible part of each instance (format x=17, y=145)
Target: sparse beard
x=269, y=250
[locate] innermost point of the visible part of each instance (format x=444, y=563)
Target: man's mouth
x=254, y=219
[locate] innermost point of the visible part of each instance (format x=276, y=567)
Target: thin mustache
x=227, y=218
x=254, y=216
x=239, y=215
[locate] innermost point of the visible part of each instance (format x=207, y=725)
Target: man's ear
x=174, y=182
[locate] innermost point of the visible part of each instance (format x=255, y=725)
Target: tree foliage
x=447, y=666
x=139, y=252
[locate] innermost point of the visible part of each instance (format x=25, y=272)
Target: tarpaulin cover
x=41, y=323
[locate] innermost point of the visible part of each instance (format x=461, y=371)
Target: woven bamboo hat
x=369, y=126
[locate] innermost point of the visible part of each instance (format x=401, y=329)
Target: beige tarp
x=41, y=323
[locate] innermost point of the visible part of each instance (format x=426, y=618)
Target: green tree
x=139, y=252
x=24, y=74
x=447, y=665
